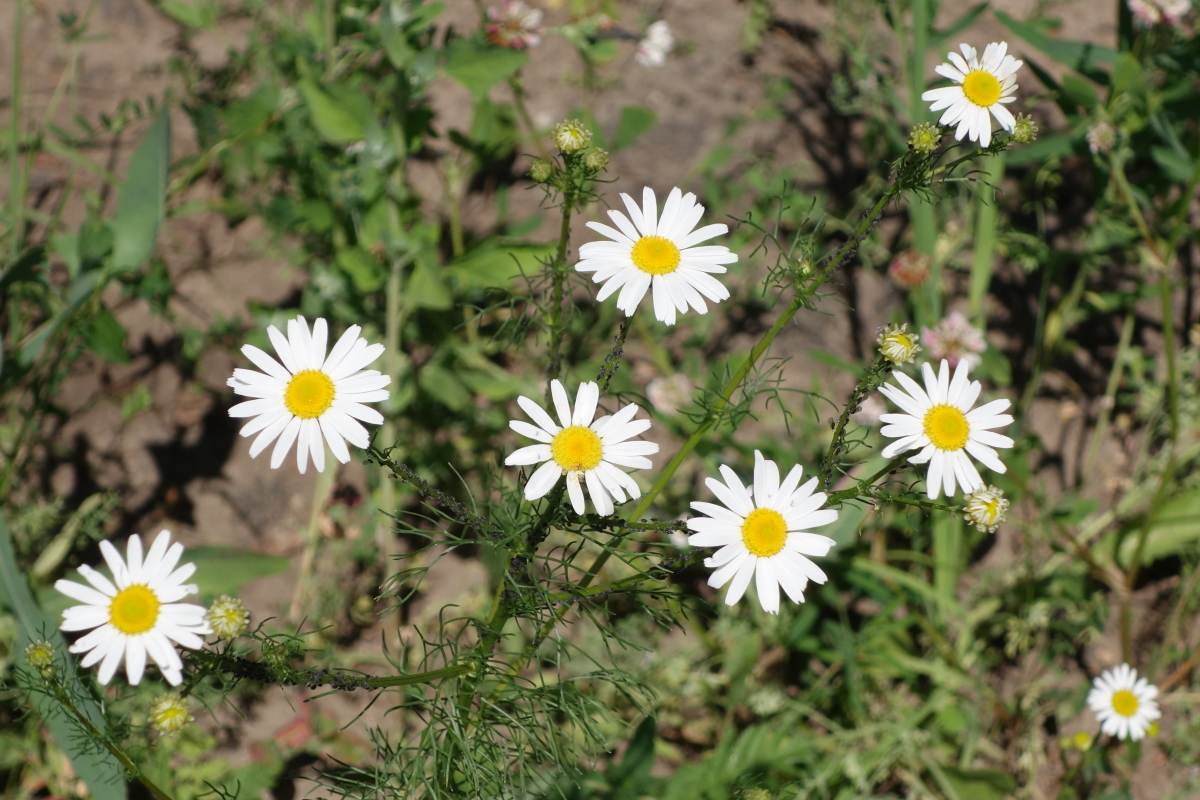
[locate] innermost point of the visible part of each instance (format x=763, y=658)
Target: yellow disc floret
x=134, y=610
x=947, y=427
x=656, y=255
x=1125, y=703
x=309, y=394
x=981, y=88
x=577, y=449
x=764, y=532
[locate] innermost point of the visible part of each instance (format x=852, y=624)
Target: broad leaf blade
x=140, y=200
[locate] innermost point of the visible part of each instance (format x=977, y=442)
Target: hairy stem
x=558, y=276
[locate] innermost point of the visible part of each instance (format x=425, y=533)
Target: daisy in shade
x=1124, y=703
x=648, y=251
x=136, y=614
x=763, y=533
x=940, y=422
x=309, y=399
x=587, y=451
x=984, y=86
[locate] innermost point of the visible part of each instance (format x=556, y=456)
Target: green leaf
x=1082, y=57
x=427, y=289
x=106, y=337
x=980, y=784
x=1060, y=144
x=830, y=360
x=225, y=570
x=341, y=117
x=480, y=67
x=140, y=199
x=495, y=264
x=634, y=121
x=1177, y=167
x=193, y=15
x=639, y=758
x=363, y=268
x=1174, y=529
x=99, y=771
x=938, y=39
x=1080, y=91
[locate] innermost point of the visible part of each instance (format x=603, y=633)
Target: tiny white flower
x=587, y=451
x=137, y=613
x=571, y=135
x=651, y=251
x=310, y=399
x=984, y=85
x=940, y=422
x=1124, y=703
x=515, y=25
x=763, y=532
x=653, y=49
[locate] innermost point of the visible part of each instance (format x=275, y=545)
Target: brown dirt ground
x=180, y=465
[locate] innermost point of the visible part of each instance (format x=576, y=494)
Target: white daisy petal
x=980, y=86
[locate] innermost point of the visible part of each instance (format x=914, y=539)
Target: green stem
x=862, y=487
x=985, y=238
x=422, y=677
x=558, y=276
x=117, y=753
x=865, y=385
x=393, y=329
x=1110, y=393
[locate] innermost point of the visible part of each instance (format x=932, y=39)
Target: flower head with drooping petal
x=986, y=508
x=955, y=339
x=587, y=451
x=940, y=422
x=1124, y=703
x=762, y=532
x=136, y=614
x=648, y=251
x=310, y=399
x=984, y=85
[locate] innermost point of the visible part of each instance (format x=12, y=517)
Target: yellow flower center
x=947, y=427
x=764, y=532
x=1125, y=703
x=171, y=718
x=577, y=449
x=981, y=88
x=991, y=508
x=309, y=394
x=655, y=255
x=134, y=610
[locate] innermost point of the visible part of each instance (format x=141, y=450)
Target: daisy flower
x=763, y=532
x=984, y=85
x=955, y=339
x=648, y=250
x=310, y=399
x=587, y=451
x=169, y=714
x=1124, y=703
x=137, y=613
x=514, y=25
x=939, y=421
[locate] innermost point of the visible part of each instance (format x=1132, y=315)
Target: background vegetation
x=380, y=151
